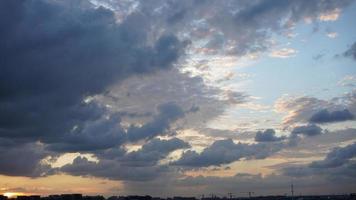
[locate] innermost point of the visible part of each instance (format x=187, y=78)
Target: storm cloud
x=56, y=54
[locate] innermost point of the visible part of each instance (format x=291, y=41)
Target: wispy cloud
x=332, y=34
x=332, y=15
x=283, y=53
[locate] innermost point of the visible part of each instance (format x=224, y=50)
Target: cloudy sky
x=177, y=97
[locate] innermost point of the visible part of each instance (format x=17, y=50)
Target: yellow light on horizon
x=12, y=194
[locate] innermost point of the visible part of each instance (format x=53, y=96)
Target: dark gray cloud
x=338, y=165
x=224, y=152
x=308, y=130
x=167, y=113
x=268, y=135
x=153, y=151
x=300, y=109
x=119, y=165
x=23, y=160
x=95, y=135
x=315, y=146
x=107, y=131
x=351, y=52
x=337, y=157
x=111, y=169
x=344, y=174
x=313, y=110
x=237, y=34
x=142, y=94
x=325, y=116
x=55, y=55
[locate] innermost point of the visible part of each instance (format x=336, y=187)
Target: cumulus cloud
x=269, y=135
x=308, y=130
x=337, y=157
x=117, y=164
x=338, y=165
x=224, y=152
x=111, y=169
x=153, y=151
x=299, y=109
x=310, y=109
x=310, y=180
x=324, y=116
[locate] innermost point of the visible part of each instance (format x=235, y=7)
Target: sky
x=177, y=97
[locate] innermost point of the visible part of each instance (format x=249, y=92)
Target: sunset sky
x=177, y=97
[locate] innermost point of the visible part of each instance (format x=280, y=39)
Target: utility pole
x=230, y=195
x=249, y=194
x=292, y=190
x=212, y=196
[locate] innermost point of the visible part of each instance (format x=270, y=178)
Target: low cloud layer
x=338, y=165
x=225, y=152
x=337, y=157
x=116, y=164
